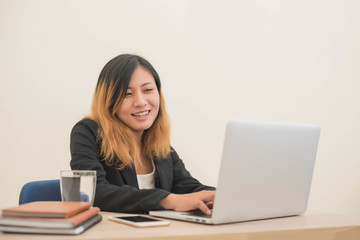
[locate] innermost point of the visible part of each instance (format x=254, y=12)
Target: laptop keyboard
x=197, y=213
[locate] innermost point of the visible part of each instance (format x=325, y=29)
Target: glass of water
x=78, y=185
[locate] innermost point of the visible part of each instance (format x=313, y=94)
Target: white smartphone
x=138, y=220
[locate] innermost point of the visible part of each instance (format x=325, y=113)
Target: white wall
x=294, y=61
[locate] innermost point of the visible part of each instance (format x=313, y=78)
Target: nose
x=140, y=100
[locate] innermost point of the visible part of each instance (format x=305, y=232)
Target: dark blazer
x=118, y=190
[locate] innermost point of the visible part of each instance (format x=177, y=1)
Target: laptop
x=265, y=172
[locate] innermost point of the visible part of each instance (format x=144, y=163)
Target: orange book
x=70, y=222
x=53, y=209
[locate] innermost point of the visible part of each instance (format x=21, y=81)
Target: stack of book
x=50, y=218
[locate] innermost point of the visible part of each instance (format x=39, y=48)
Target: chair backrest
x=46, y=190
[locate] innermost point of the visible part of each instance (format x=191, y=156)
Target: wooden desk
x=310, y=226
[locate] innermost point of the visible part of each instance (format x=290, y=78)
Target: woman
x=126, y=139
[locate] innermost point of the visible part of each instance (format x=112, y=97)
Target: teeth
x=141, y=114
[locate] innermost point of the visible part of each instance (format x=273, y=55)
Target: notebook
x=41, y=222
x=265, y=172
x=55, y=209
x=58, y=231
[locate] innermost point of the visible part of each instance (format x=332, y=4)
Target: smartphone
x=138, y=221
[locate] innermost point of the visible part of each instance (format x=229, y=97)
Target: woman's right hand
x=186, y=202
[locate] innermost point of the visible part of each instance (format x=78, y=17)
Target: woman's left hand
x=202, y=200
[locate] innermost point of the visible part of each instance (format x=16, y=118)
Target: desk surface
x=311, y=225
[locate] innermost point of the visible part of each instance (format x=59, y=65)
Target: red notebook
x=54, y=209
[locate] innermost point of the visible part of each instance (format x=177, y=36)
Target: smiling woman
x=126, y=139
x=121, y=92
x=140, y=107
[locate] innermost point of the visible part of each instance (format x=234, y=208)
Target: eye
x=128, y=94
x=149, y=89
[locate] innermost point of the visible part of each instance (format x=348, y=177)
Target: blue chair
x=46, y=190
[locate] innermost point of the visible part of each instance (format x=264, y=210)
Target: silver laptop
x=265, y=172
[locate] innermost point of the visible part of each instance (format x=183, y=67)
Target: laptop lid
x=265, y=172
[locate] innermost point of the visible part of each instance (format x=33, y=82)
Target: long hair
x=119, y=147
